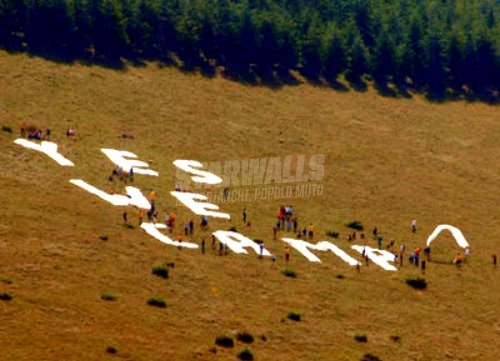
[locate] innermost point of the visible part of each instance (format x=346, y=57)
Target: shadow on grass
x=274, y=78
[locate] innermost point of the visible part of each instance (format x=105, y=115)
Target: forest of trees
x=436, y=46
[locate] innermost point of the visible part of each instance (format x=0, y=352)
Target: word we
x=198, y=204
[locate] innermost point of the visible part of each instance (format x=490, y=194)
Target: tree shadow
x=357, y=83
x=274, y=77
x=338, y=86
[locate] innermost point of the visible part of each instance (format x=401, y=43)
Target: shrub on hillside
x=361, y=337
x=332, y=234
x=417, y=283
x=370, y=357
x=294, y=316
x=5, y=296
x=244, y=337
x=157, y=302
x=107, y=296
x=395, y=338
x=340, y=276
x=7, y=128
x=103, y=237
x=160, y=271
x=224, y=341
x=357, y=225
x=111, y=349
x=288, y=272
x=245, y=355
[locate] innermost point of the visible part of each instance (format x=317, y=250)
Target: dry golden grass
x=387, y=161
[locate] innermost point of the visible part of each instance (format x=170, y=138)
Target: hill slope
x=387, y=161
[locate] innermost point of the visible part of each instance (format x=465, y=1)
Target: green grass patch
x=417, y=283
x=294, y=316
x=160, y=271
x=224, y=341
x=357, y=225
x=245, y=355
x=6, y=296
x=157, y=302
x=288, y=272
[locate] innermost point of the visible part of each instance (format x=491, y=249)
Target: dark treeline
x=438, y=46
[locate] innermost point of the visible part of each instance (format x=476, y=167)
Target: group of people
x=287, y=221
x=33, y=132
x=36, y=133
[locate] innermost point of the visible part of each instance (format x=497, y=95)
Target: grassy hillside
x=387, y=161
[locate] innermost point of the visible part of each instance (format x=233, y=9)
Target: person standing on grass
x=261, y=249
x=214, y=240
x=125, y=217
x=191, y=227
x=467, y=254
x=203, y=246
x=427, y=253
x=494, y=258
x=141, y=215
x=310, y=230
x=413, y=225
x=458, y=260
x=422, y=266
x=244, y=215
x=179, y=239
x=287, y=253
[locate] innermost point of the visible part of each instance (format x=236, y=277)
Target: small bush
x=294, y=316
x=111, y=349
x=340, y=276
x=417, y=283
x=224, y=341
x=103, y=237
x=370, y=357
x=245, y=355
x=357, y=225
x=288, y=272
x=244, y=337
x=5, y=296
x=395, y=338
x=107, y=296
x=360, y=337
x=157, y=302
x=233, y=229
x=170, y=264
x=160, y=271
x=7, y=128
x=333, y=234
